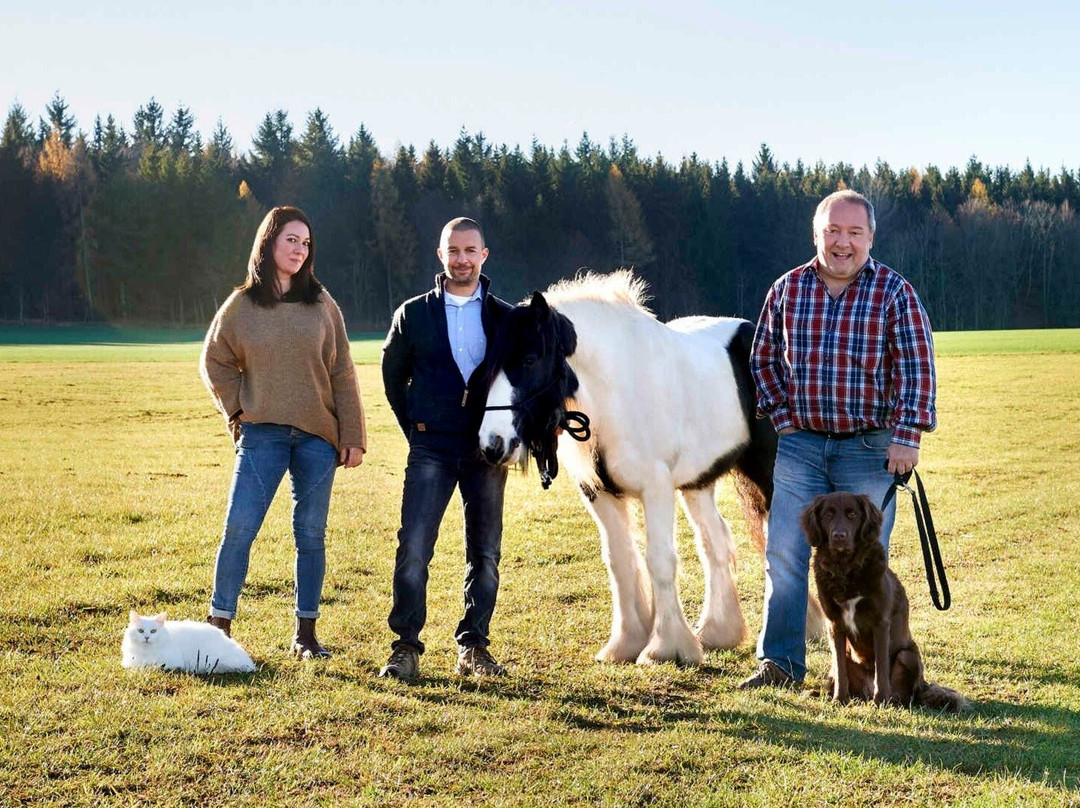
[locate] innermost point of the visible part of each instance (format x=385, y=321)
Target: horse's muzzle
x=496, y=452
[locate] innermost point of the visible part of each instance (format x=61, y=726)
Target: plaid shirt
x=864, y=360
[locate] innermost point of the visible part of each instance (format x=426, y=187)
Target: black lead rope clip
x=931, y=551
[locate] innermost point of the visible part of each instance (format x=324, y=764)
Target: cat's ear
x=133, y=617
x=160, y=618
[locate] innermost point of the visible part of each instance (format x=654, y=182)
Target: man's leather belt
x=839, y=435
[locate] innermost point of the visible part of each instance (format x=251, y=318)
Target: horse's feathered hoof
x=620, y=651
x=688, y=656
x=715, y=635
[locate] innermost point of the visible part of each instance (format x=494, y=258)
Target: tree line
x=149, y=223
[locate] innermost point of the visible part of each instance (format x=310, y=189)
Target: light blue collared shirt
x=466, y=330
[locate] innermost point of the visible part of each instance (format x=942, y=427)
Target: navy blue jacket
x=433, y=405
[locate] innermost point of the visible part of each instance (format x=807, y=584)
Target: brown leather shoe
x=476, y=661
x=769, y=675
x=304, y=644
x=224, y=623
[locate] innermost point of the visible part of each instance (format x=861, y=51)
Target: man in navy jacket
x=434, y=373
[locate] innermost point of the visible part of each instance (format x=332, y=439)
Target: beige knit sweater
x=289, y=364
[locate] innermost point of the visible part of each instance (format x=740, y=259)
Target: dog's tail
x=936, y=697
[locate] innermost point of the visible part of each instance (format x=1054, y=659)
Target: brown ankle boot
x=224, y=623
x=304, y=644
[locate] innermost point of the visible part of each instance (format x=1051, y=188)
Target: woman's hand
x=350, y=456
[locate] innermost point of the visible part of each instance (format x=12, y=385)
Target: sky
x=913, y=84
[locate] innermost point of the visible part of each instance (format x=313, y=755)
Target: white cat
x=181, y=645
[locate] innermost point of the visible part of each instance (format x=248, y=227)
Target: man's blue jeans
x=807, y=465
x=263, y=454
x=430, y=478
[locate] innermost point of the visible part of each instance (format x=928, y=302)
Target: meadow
x=113, y=477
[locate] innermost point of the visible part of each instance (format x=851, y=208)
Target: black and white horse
x=670, y=408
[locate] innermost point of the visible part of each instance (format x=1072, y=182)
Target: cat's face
x=145, y=630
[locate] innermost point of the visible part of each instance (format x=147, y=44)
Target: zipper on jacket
x=465, y=397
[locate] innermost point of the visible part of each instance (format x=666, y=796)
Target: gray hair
x=847, y=195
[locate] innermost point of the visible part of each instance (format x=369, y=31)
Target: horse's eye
x=529, y=360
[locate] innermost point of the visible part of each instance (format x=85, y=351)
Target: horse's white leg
x=671, y=639
x=721, y=624
x=631, y=616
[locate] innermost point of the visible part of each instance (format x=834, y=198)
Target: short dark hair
x=261, y=284
x=458, y=225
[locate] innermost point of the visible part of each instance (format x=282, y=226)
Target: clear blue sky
x=913, y=83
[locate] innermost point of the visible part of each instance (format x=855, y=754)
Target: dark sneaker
x=768, y=675
x=404, y=664
x=476, y=661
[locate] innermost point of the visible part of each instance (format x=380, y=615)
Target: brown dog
x=873, y=654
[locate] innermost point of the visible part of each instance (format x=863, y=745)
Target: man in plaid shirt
x=843, y=361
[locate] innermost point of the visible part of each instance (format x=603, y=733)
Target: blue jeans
x=263, y=453
x=430, y=478
x=807, y=465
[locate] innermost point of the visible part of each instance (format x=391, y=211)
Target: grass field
x=113, y=478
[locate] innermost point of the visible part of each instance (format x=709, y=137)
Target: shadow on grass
x=1035, y=743
x=1016, y=671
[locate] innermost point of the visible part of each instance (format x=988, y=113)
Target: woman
x=276, y=361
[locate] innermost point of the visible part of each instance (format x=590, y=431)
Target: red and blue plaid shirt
x=864, y=360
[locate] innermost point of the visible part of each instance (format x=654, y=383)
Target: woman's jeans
x=809, y=464
x=263, y=453
x=430, y=479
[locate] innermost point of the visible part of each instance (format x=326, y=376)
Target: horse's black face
x=530, y=381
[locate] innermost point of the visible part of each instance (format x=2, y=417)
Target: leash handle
x=931, y=550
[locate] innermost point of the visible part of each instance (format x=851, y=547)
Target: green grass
x=113, y=478
x=1030, y=341
x=105, y=343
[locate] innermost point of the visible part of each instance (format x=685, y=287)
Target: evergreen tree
x=268, y=168
x=60, y=121
x=18, y=137
x=149, y=125
x=181, y=135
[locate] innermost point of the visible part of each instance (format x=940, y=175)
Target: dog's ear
x=811, y=522
x=872, y=518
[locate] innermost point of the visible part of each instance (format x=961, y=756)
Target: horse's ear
x=811, y=522
x=872, y=517
x=567, y=334
x=540, y=307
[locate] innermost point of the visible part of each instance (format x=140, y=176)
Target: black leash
x=927, y=536
x=572, y=422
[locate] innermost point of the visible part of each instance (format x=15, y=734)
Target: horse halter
x=573, y=422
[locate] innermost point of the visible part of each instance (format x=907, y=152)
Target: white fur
x=181, y=645
x=664, y=407
x=847, y=612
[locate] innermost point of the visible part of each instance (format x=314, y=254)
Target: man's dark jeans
x=430, y=478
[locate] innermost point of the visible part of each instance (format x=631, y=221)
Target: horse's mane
x=620, y=286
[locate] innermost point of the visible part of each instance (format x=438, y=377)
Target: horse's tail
x=753, y=470
x=754, y=507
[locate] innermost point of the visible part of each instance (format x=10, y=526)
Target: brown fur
x=878, y=659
